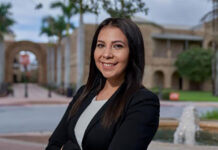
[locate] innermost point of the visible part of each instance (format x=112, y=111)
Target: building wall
x=160, y=55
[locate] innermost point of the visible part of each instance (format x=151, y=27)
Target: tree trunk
x=49, y=65
x=52, y=65
x=2, y=62
x=80, y=52
x=59, y=62
x=67, y=63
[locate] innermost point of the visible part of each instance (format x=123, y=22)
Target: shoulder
x=144, y=96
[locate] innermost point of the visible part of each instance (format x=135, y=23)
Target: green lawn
x=197, y=96
x=187, y=95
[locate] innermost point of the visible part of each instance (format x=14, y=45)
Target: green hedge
x=165, y=93
x=210, y=115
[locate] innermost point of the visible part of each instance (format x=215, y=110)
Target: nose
x=107, y=53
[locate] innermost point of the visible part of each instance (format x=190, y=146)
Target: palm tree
x=56, y=27
x=124, y=8
x=82, y=7
x=5, y=23
x=47, y=29
x=68, y=10
x=212, y=16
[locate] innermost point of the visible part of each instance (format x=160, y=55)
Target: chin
x=108, y=76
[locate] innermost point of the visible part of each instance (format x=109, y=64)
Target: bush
x=210, y=115
x=164, y=95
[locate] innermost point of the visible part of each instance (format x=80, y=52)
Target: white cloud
x=28, y=19
x=30, y=35
x=185, y=12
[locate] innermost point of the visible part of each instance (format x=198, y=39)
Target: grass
x=210, y=115
x=188, y=95
x=197, y=96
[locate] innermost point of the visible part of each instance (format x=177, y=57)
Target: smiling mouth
x=108, y=65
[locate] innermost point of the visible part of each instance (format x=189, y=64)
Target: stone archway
x=158, y=79
x=176, y=81
x=35, y=48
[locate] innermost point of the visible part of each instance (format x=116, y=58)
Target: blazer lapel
x=100, y=113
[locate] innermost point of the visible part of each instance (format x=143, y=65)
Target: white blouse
x=85, y=119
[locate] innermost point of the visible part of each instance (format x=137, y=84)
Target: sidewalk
x=182, y=103
x=38, y=141
x=19, y=144
x=36, y=95
x=6, y=144
x=169, y=146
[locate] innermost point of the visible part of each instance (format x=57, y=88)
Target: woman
x=113, y=111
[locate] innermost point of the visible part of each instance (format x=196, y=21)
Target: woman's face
x=111, y=53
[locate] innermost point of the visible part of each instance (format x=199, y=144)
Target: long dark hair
x=133, y=75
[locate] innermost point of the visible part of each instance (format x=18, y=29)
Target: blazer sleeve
x=59, y=136
x=140, y=123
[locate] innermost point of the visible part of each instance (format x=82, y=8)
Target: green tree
x=68, y=10
x=47, y=26
x=195, y=64
x=5, y=23
x=82, y=7
x=124, y=8
x=56, y=27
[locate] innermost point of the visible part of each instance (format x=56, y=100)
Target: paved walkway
x=11, y=144
x=169, y=146
x=8, y=144
x=178, y=103
x=39, y=95
x=36, y=95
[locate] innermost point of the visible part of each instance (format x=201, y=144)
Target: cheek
x=125, y=58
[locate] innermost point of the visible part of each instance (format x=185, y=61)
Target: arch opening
x=25, y=67
x=38, y=57
x=176, y=81
x=158, y=80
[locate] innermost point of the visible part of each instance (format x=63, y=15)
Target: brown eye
x=117, y=46
x=100, y=45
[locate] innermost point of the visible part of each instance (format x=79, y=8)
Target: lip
x=110, y=66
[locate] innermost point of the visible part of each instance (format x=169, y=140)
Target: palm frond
x=5, y=20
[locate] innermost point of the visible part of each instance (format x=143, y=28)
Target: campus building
x=162, y=45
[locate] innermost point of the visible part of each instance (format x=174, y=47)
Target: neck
x=112, y=84
x=109, y=88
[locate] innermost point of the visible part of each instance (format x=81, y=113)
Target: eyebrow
x=113, y=41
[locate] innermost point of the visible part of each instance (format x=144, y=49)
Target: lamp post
x=49, y=90
x=26, y=85
x=25, y=61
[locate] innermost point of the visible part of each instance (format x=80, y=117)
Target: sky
x=173, y=12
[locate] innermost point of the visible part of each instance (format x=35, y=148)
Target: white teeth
x=108, y=64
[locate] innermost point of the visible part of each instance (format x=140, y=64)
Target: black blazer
x=134, y=130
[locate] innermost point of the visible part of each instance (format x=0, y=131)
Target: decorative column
x=80, y=53
x=2, y=62
x=168, y=80
x=67, y=63
x=52, y=64
x=59, y=61
x=169, y=53
x=48, y=65
x=216, y=73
